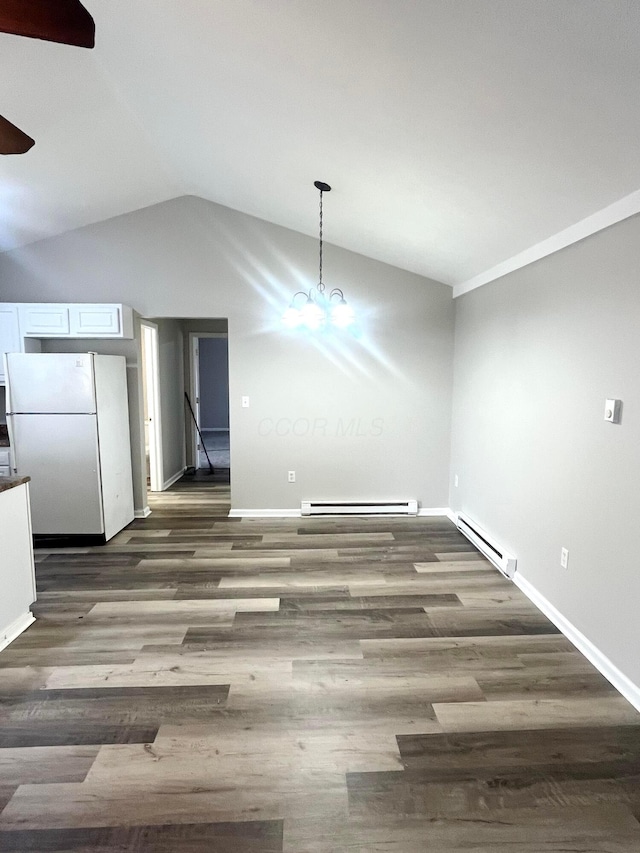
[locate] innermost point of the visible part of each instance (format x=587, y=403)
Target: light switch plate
x=612, y=411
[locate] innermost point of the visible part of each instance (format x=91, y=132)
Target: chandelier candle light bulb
x=315, y=310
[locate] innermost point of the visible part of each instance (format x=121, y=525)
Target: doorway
x=210, y=399
x=151, y=398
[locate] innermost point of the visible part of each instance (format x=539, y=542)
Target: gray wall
x=537, y=353
x=365, y=417
x=214, y=383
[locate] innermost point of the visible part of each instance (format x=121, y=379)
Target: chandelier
x=315, y=310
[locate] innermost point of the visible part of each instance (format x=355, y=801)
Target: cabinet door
x=17, y=580
x=9, y=334
x=96, y=320
x=44, y=321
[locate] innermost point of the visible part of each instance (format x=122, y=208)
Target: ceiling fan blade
x=64, y=21
x=12, y=139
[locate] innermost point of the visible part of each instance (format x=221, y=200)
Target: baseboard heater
x=504, y=562
x=359, y=508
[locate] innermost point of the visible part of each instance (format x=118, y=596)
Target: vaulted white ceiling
x=455, y=133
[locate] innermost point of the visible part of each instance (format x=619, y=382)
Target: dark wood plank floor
x=309, y=686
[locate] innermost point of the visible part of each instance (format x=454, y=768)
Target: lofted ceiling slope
x=455, y=133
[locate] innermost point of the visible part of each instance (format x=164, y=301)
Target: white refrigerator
x=68, y=422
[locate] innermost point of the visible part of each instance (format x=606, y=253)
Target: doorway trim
x=151, y=391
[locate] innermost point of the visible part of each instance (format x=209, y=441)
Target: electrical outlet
x=245, y=402
x=455, y=481
x=564, y=558
x=292, y=476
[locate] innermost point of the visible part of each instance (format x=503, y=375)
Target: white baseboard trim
x=174, y=479
x=9, y=634
x=142, y=513
x=265, y=513
x=620, y=681
x=429, y=511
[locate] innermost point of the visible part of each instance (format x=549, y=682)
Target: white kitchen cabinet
x=101, y=321
x=44, y=321
x=10, y=340
x=34, y=320
x=76, y=320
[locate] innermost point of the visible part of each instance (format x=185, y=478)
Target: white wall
x=356, y=418
x=537, y=353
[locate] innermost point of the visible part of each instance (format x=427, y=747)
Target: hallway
x=303, y=685
x=216, y=443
